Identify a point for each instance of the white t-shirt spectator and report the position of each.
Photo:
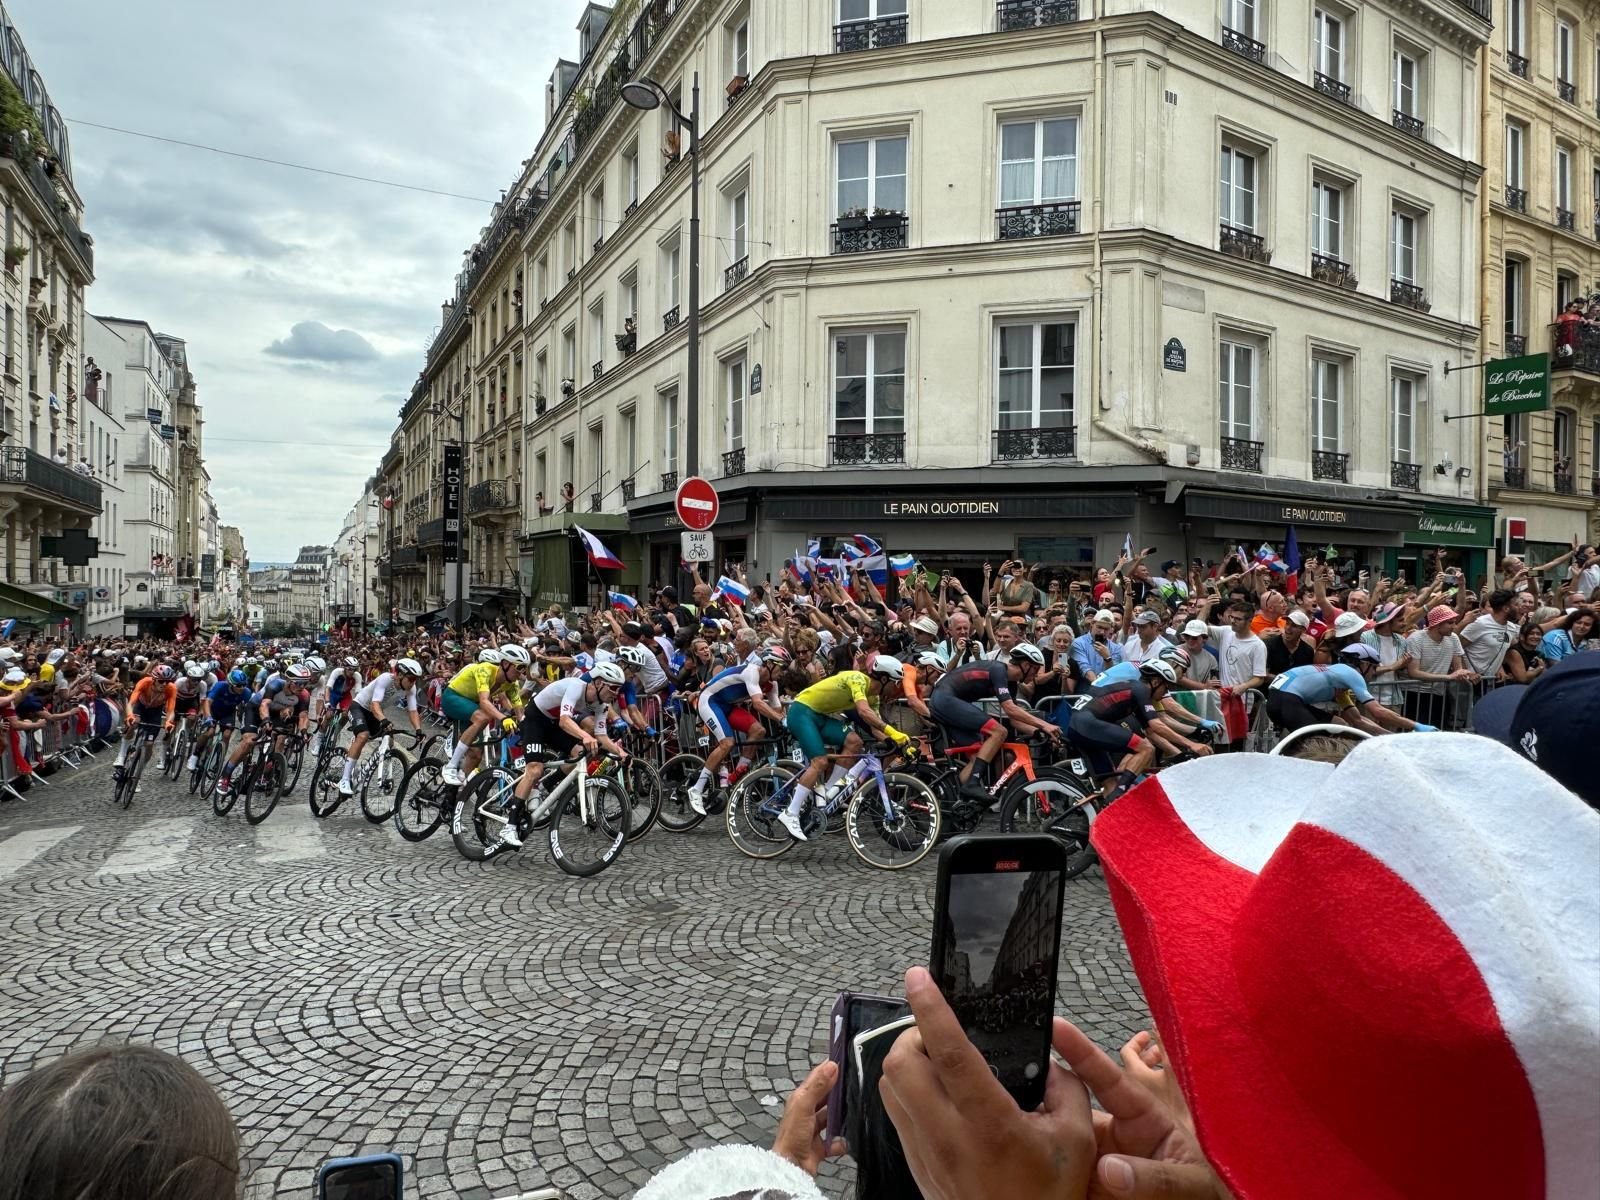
(1433, 658)
(1239, 659)
(1588, 580)
(1136, 652)
(1485, 642)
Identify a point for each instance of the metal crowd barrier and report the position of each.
(66, 737)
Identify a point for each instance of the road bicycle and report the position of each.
(176, 749)
(587, 812)
(376, 779)
(424, 800)
(681, 771)
(892, 817)
(261, 778)
(143, 739)
(209, 758)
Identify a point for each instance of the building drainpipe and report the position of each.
(1481, 459)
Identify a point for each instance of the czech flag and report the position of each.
(599, 556)
(903, 564)
(732, 590)
(623, 601)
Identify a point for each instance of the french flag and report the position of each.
(1475, 1015)
(731, 589)
(623, 601)
(903, 564)
(599, 556)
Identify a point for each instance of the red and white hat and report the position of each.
(1380, 979)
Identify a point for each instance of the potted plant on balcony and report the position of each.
(885, 216)
(568, 389)
(539, 404)
(737, 84)
(853, 218)
(14, 256)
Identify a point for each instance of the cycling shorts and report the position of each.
(459, 708)
(186, 706)
(1091, 733)
(149, 714)
(249, 718)
(960, 716)
(543, 739)
(724, 720)
(224, 716)
(1289, 712)
(816, 733)
(362, 721)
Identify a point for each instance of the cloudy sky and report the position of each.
(306, 301)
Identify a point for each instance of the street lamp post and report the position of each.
(647, 94)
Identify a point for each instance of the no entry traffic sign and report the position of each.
(697, 503)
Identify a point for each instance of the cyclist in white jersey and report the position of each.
(366, 711)
(557, 722)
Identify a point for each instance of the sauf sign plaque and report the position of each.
(452, 504)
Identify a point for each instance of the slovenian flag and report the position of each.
(623, 601)
(903, 564)
(868, 546)
(732, 590)
(599, 556)
(800, 565)
(813, 548)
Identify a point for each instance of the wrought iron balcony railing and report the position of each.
(1517, 198)
(1330, 464)
(669, 319)
(864, 235)
(1241, 454)
(866, 449)
(1325, 268)
(431, 533)
(20, 465)
(1244, 47)
(628, 488)
(1406, 476)
(1059, 218)
(1516, 345)
(1021, 445)
(669, 481)
(1517, 64)
(599, 368)
(492, 495)
(1406, 123)
(736, 274)
(1566, 483)
(1567, 91)
(871, 35)
(733, 462)
(1329, 86)
(1030, 14)
(1515, 477)
(1411, 295)
(1566, 219)
(1243, 243)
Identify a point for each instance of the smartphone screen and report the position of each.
(374, 1177)
(996, 950)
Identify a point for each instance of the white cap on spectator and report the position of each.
(7, 654)
(55, 656)
(1196, 628)
(1349, 623)
(1300, 618)
(1106, 615)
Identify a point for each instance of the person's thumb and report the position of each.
(1119, 1177)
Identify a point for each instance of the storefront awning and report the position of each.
(31, 607)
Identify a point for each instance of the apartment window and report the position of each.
(569, 354)
(629, 295)
(1403, 265)
(1038, 161)
(1407, 83)
(1237, 389)
(597, 333)
(1565, 441)
(597, 214)
(541, 375)
(671, 262)
(541, 477)
(1403, 417)
(541, 275)
(1566, 46)
(1515, 290)
(733, 373)
(1516, 155)
(569, 247)
(669, 430)
(869, 382)
(630, 175)
(1517, 27)
(1241, 17)
(739, 49)
(869, 10)
(1327, 404)
(597, 455)
(1035, 366)
(872, 175)
(1563, 179)
(1566, 289)
(1327, 219)
(630, 444)
(1239, 183)
(568, 461)
(739, 224)
(1328, 43)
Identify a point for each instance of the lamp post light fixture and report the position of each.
(647, 94)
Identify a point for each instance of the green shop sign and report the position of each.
(1442, 527)
(1517, 385)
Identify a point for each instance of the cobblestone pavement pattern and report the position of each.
(502, 1026)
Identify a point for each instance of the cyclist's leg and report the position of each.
(751, 732)
(721, 729)
(968, 721)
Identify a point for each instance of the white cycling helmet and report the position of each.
(889, 668)
(351, 661)
(931, 658)
(298, 671)
(407, 666)
(490, 655)
(1160, 670)
(516, 654)
(608, 673)
(1178, 657)
(1028, 651)
(195, 670)
(316, 665)
(634, 656)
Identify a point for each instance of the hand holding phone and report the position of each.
(370, 1177)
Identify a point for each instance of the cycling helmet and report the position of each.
(931, 659)
(195, 670)
(408, 666)
(632, 656)
(889, 668)
(163, 673)
(1027, 652)
(238, 678)
(1361, 652)
(352, 662)
(775, 656)
(1157, 669)
(512, 653)
(490, 655)
(316, 665)
(139, 660)
(298, 671)
(608, 673)
(1178, 657)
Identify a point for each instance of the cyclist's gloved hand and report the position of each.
(895, 736)
(1211, 726)
(650, 731)
(1421, 728)
(508, 724)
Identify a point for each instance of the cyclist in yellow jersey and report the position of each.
(813, 718)
(469, 700)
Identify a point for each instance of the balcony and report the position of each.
(1239, 454)
(736, 274)
(596, 500)
(1566, 219)
(1405, 476)
(1244, 47)
(1516, 345)
(30, 165)
(492, 495)
(628, 489)
(1515, 478)
(628, 340)
(1331, 465)
(863, 235)
(1030, 14)
(599, 368)
(669, 481)
(1242, 243)
(1057, 219)
(1028, 445)
(866, 449)
(1410, 295)
(871, 35)
(669, 319)
(1566, 483)
(1567, 91)
(416, 506)
(1582, 354)
(1406, 123)
(598, 242)
(405, 558)
(1479, 8)
(1517, 64)
(431, 533)
(1517, 198)
(733, 462)
(49, 481)
(1329, 86)
(1325, 268)
(1594, 486)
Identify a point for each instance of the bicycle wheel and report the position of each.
(265, 789)
(894, 839)
(378, 792)
(753, 809)
(123, 795)
(202, 765)
(642, 783)
(294, 762)
(421, 799)
(1053, 804)
(480, 816)
(677, 777)
(177, 755)
(586, 838)
(222, 803)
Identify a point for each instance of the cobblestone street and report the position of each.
(503, 1027)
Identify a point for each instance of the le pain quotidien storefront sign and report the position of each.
(1276, 513)
(911, 507)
